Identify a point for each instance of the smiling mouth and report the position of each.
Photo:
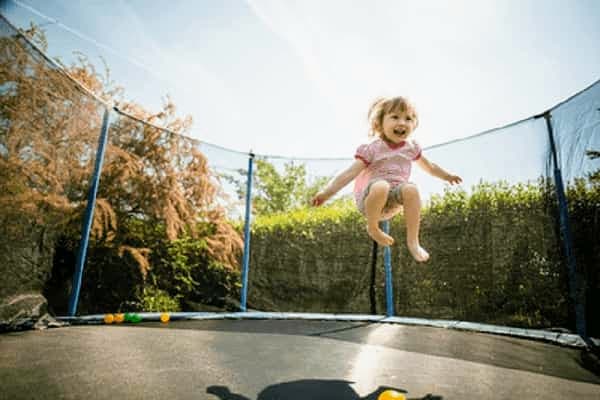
(400, 132)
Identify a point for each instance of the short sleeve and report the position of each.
(416, 151)
(364, 152)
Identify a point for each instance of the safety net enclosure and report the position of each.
(126, 212)
(505, 248)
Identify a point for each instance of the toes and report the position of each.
(380, 237)
(386, 239)
(419, 253)
(383, 241)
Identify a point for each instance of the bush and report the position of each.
(497, 257)
(153, 299)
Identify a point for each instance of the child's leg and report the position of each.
(374, 203)
(412, 215)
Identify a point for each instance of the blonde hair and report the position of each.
(383, 106)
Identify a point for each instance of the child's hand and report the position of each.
(453, 179)
(319, 199)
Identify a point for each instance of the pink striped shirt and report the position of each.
(385, 161)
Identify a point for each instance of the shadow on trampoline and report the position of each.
(314, 389)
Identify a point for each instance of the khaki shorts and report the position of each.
(393, 205)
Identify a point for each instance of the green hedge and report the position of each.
(496, 257)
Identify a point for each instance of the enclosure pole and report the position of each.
(89, 215)
(372, 294)
(575, 288)
(246, 259)
(387, 262)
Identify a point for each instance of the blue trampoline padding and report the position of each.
(565, 339)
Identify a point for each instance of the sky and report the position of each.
(296, 78)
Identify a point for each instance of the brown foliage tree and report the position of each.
(49, 129)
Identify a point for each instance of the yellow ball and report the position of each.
(391, 395)
(119, 318)
(164, 318)
(109, 318)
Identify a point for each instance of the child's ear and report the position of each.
(376, 126)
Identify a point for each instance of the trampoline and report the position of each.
(524, 272)
(216, 356)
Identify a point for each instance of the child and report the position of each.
(382, 168)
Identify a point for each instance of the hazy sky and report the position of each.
(296, 78)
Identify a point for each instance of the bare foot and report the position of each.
(382, 238)
(418, 253)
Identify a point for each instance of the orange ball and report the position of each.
(391, 395)
(164, 318)
(109, 318)
(119, 318)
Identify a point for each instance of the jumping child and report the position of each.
(382, 171)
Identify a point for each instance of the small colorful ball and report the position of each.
(119, 318)
(391, 395)
(164, 318)
(109, 318)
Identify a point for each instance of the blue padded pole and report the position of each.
(246, 259)
(575, 288)
(89, 216)
(387, 262)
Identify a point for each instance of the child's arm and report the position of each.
(338, 182)
(437, 171)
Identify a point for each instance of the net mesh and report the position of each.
(169, 220)
(49, 133)
(493, 241)
(576, 127)
(498, 254)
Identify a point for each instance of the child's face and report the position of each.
(398, 125)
